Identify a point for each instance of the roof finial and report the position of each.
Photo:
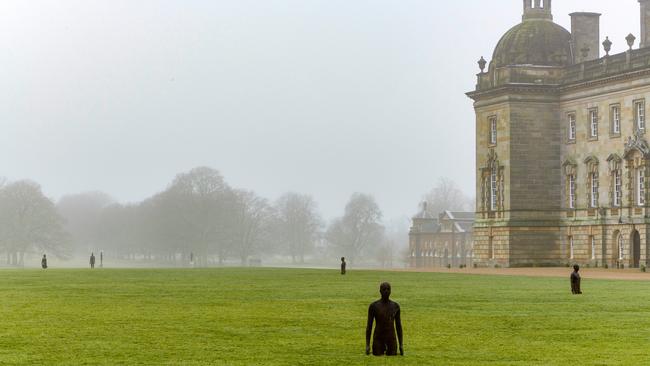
(607, 44)
(630, 40)
(481, 64)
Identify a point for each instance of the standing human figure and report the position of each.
(575, 280)
(44, 262)
(92, 260)
(386, 315)
(343, 264)
(101, 259)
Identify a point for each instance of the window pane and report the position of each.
(593, 116)
(572, 127)
(572, 191)
(617, 188)
(493, 190)
(594, 189)
(616, 120)
(640, 115)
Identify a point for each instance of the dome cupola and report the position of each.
(536, 40)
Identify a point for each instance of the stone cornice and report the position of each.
(508, 89)
(557, 90)
(605, 80)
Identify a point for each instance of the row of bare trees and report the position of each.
(198, 219)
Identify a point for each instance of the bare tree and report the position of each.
(358, 229)
(29, 222)
(200, 200)
(446, 196)
(299, 224)
(251, 217)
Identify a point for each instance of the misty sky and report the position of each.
(324, 97)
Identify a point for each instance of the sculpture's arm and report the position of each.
(371, 318)
(398, 328)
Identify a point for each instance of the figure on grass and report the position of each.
(343, 264)
(575, 280)
(44, 262)
(386, 315)
(92, 260)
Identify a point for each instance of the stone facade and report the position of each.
(445, 241)
(562, 153)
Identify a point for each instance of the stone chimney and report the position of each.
(645, 23)
(585, 36)
(538, 10)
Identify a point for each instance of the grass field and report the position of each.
(314, 317)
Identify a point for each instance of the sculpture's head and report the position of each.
(384, 290)
(576, 267)
(342, 259)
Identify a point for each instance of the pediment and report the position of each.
(636, 143)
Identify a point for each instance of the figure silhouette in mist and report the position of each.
(44, 262)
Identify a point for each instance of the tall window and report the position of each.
(493, 189)
(571, 247)
(618, 188)
(593, 247)
(594, 190)
(620, 246)
(572, 127)
(616, 119)
(572, 191)
(493, 130)
(639, 111)
(593, 121)
(640, 189)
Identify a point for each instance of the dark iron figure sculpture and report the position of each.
(386, 315)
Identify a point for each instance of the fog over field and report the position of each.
(320, 104)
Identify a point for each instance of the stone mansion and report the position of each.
(563, 160)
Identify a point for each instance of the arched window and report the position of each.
(593, 198)
(615, 164)
(570, 172)
(592, 180)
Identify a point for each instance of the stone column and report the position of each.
(645, 23)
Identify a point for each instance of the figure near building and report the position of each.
(386, 316)
(92, 260)
(343, 265)
(44, 262)
(575, 280)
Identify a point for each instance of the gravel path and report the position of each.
(595, 273)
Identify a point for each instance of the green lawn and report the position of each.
(313, 317)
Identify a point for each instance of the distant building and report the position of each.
(562, 148)
(441, 241)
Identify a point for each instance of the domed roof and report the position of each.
(534, 42)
